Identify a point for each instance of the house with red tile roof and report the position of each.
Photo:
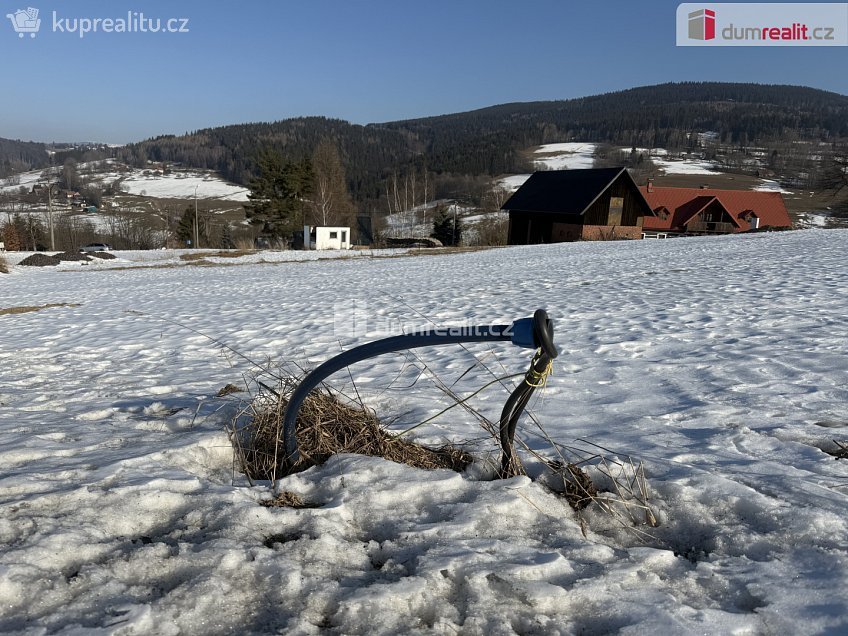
(708, 211)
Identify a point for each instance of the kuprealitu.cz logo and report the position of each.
(762, 24)
(28, 22)
(25, 21)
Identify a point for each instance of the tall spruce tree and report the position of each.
(278, 194)
(184, 231)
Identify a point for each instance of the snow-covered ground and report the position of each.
(187, 257)
(182, 184)
(512, 182)
(718, 362)
(14, 183)
(685, 166)
(770, 185)
(178, 184)
(570, 155)
(418, 221)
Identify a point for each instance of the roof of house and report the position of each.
(684, 203)
(562, 191)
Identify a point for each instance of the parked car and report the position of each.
(96, 247)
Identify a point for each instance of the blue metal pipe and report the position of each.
(531, 333)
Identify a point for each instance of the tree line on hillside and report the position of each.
(490, 141)
(21, 156)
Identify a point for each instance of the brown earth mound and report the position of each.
(40, 260)
(72, 256)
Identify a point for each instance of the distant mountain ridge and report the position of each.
(652, 116)
(490, 141)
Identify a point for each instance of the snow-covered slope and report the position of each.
(183, 185)
(570, 155)
(177, 184)
(719, 362)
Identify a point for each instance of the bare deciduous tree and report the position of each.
(331, 202)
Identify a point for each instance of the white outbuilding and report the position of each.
(330, 238)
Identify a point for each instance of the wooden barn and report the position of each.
(570, 205)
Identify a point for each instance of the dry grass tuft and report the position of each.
(577, 487)
(326, 426)
(30, 308)
(229, 389)
(4, 265)
(287, 499)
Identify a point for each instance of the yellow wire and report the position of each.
(538, 379)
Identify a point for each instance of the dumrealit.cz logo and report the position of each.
(766, 24)
(702, 25)
(27, 21)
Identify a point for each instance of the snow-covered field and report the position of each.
(718, 362)
(26, 180)
(512, 182)
(770, 185)
(569, 155)
(182, 185)
(186, 257)
(685, 166)
(179, 184)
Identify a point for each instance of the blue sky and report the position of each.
(361, 61)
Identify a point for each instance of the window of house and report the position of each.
(616, 207)
(334, 235)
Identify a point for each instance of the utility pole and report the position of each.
(453, 241)
(196, 229)
(50, 216)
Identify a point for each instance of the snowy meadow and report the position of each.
(717, 364)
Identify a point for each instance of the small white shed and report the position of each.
(331, 238)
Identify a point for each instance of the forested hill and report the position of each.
(368, 152)
(489, 141)
(652, 116)
(20, 156)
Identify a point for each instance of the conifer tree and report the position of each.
(278, 194)
(184, 231)
(446, 228)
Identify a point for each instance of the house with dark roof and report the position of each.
(570, 205)
(679, 211)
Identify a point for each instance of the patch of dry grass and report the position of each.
(287, 499)
(30, 308)
(229, 389)
(577, 487)
(4, 265)
(326, 426)
(219, 254)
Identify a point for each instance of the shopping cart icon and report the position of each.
(25, 21)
